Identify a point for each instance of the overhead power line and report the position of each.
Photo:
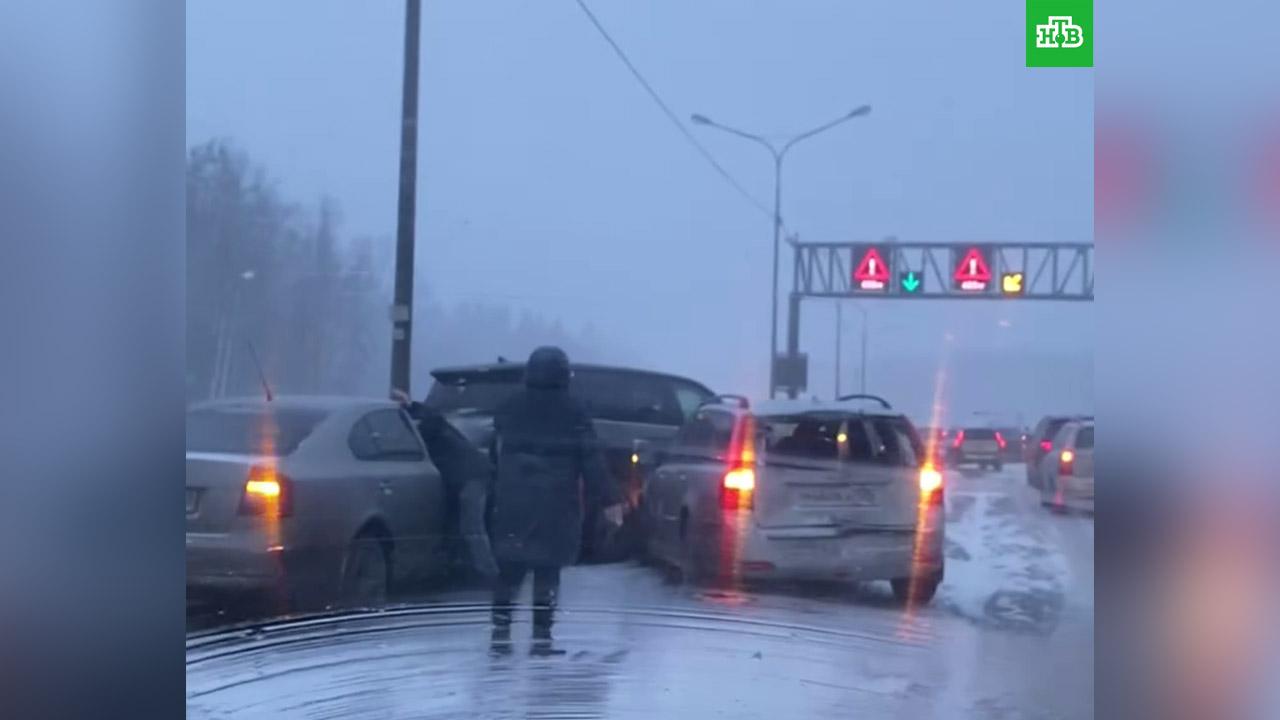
(693, 140)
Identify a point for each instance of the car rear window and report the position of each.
(475, 392)
(882, 441)
(1084, 438)
(1052, 427)
(979, 434)
(250, 431)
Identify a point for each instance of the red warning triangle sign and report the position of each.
(973, 267)
(872, 267)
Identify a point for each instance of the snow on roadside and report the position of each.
(1003, 569)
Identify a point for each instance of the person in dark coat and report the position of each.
(467, 474)
(549, 466)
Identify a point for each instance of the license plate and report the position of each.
(837, 496)
(193, 497)
(804, 550)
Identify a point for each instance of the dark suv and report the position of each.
(631, 409)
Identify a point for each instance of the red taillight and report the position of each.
(1066, 462)
(738, 489)
(1046, 445)
(1000, 440)
(266, 493)
(959, 439)
(931, 485)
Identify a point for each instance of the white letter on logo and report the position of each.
(1072, 35)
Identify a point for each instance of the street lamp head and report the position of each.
(700, 119)
(864, 110)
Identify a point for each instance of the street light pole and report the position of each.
(778, 155)
(402, 308)
(863, 379)
(839, 335)
(862, 366)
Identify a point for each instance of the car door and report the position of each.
(686, 467)
(412, 498)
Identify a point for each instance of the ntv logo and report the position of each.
(1059, 32)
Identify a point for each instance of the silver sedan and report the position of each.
(309, 500)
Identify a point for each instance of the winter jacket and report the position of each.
(549, 466)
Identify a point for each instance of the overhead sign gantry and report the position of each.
(893, 270)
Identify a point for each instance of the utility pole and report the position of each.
(839, 331)
(402, 309)
(863, 381)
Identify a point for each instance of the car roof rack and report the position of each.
(863, 396)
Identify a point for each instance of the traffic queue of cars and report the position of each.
(316, 501)
(1060, 464)
(313, 501)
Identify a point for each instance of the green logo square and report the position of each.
(1059, 33)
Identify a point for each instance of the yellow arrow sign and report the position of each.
(1011, 283)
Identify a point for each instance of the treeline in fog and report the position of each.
(269, 274)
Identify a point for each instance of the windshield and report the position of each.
(780, 272)
(250, 432)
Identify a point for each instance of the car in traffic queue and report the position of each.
(628, 407)
(1012, 449)
(798, 490)
(1068, 470)
(981, 446)
(1039, 445)
(305, 501)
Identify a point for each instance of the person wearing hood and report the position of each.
(549, 467)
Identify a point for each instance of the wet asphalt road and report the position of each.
(1010, 635)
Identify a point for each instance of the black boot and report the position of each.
(542, 645)
(500, 640)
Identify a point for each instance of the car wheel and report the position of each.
(925, 588)
(998, 467)
(366, 570)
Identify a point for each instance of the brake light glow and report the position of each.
(265, 488)
(1046, 445)
(930, 479)
(737, 491)
(740, 479)
(1000, 440)
(266, 493)
(930, 485)
(1066, 462)
(959, 439)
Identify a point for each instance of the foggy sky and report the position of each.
(548, 180)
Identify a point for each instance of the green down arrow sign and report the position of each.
(910, 281)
